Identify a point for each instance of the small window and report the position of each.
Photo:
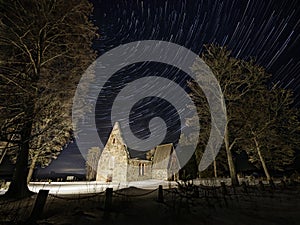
(114, 140)
(142, 167)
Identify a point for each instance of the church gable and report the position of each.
(114, 158)
(115, 137)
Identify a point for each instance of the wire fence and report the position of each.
(77, 197)
(184, 195)
(119, 193)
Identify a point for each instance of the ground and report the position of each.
(185, 204)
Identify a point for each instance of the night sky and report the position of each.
(268, 31)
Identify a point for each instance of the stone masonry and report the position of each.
(116, 165)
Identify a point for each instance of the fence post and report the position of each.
(160, 197)
(108, 198)
(292, 182)
(38, 205)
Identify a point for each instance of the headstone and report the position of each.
(272, 185)
(223, 188)
(244, 185)
(292, 182)
(261, 185)
(283, 184)
(196, 192)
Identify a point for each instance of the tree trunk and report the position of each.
(215, 169)
(31, 168)
(262, 160)
(34, 159)
(233, 176)
(18, 187)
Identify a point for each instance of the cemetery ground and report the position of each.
(157, 202)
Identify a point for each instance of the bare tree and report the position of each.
(237, 79)
(272, 126)
(46, 47)
(92, 163)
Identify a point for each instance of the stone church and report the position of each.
(117, 165)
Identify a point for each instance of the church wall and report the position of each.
(113, 161)
(160, 174)
(139, 170)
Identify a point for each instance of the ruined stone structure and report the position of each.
(116, 165)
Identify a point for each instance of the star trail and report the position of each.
(267, 31)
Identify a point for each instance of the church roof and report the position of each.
(134, 154)
(162, 155)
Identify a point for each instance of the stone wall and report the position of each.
(113, 161)
(139, 170)
(160, 174)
